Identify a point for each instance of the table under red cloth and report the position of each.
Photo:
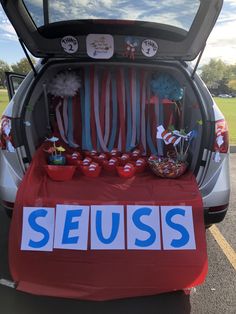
(106, 274)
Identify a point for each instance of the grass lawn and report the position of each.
(226, 105)
(3, 100)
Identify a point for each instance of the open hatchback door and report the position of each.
(178, 28)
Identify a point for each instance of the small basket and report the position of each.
(167, 168)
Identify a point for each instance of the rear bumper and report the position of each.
(216, 192)
(214, 217)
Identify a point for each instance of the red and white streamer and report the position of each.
(167, 136)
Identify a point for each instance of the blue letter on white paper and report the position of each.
(71, 230)
(70, 225)
(37, 229)
(177, 228)
(107, 227)
(143, 227)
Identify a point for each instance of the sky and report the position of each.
(221, 44)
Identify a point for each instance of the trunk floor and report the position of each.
(106, 274)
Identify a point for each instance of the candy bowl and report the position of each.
(115, 153)
(73, 159)
(93, 170)
(140, 165)
(100, 158)
(124, 159)
(60, 173)
(126, 171)
(87, 161)
(110, 165)
(135, 154)
(168, 168)
(90, 153)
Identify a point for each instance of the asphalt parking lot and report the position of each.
(217, 295)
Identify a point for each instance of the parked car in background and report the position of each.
(224, 96)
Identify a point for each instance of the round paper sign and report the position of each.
(69, 44)
(149, 48)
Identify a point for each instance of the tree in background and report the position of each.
(4, 67)
(217, 75)
(232, 81)
(23, 66)
(232, 86)
(214, 74)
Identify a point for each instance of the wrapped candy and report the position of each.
(167, 167)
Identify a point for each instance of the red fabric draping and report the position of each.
(103, 275)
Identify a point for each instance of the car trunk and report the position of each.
(88, 272)
(116, 107)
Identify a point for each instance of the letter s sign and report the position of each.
(38, 229)
(177, 228)
(143, 227)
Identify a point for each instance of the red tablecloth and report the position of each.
(106, 274)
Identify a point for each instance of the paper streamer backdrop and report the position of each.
(114, 108)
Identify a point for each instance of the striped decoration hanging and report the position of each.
(116, 110)
(87, 110)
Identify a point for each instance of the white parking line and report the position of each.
(224, 245)
(7, 283)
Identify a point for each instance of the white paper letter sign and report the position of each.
(177, 228)
(100, 46)
(71, 230)
(37, 229)
(143, 227)
(107, 227)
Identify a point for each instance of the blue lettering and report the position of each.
(177, 243)
(36, 227)
(114, 230)
(69, 225)
(144, 211)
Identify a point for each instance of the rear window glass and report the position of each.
(178, 13)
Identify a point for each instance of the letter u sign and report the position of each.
(107, 227)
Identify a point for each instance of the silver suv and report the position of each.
(134, 41)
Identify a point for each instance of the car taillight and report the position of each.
(218, 208)
(6, 142)
(8, 205)
(221, 143)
